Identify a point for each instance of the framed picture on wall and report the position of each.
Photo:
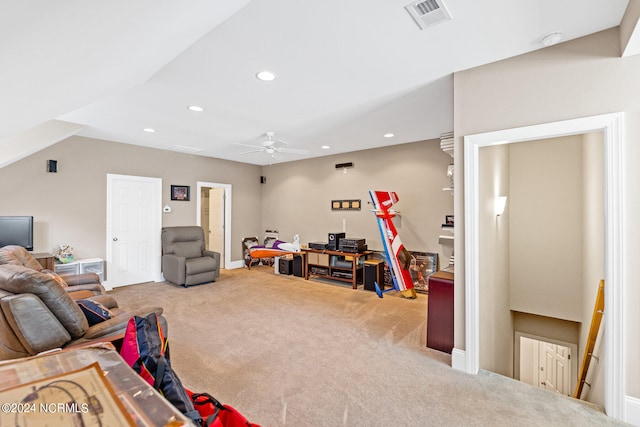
(180, 192)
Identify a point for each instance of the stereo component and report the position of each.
(318, 245)
(352, 245)
(334, 240)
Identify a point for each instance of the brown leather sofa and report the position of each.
(77, 285)
(38, 314)
(185, 261)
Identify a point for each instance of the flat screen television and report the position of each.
(16, 230)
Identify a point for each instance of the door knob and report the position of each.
(115, 239)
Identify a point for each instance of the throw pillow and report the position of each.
(94, 311)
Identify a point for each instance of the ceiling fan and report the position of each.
(271, 146)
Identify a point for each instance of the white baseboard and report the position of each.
(632, 410)
(234, 264)
(459, 360)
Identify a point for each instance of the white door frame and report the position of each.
(155, 220)
(228, 264)
(612, 127)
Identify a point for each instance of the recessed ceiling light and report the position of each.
(266, 76)
(389, 135)
(325, 147)
(149, 130)
(196, 108)
(552, 38)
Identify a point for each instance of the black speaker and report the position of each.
(373, 272)
(263, 180)
(297, 266)
(285, 266)
(52, 166)
(334, 240)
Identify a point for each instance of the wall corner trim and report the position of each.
(459, 360)
(632, 410)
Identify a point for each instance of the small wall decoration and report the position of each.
(180, 192)
(346, 205)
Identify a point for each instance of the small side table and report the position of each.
(440, 312)
(45, 259)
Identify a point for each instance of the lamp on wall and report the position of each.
(500, 203)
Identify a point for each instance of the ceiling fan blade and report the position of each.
(280, 142)
(248, 145)
(253, 151)
(292, 151)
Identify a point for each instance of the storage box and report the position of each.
(69, 268)
(318, 259)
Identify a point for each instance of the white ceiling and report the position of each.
(348, 71)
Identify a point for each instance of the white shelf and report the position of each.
(445, 239)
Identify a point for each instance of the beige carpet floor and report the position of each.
(287, 351)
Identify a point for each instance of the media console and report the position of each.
(336, 265)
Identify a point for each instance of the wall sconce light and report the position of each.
(500, 203)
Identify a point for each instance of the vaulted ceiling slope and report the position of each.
(347, 71)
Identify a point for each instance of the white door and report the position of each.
(216, 221)
(134, 224)
(555, 368)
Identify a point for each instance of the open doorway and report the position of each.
(611, 127)
(212, 219)
(543, 256)
(214, 216)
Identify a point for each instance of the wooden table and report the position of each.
(45, 259)
(334, 263)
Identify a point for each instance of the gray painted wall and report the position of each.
(69, 207)
(297, 196)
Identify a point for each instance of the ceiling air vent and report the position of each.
(185, 149)
(428, 12)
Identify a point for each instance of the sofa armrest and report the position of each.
(174, 268)
(107, 300)
(81, 279)
(32, 322)
(216, 256)
(94, 288)
(212, 254)
(118, 323)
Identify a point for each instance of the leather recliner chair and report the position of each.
(77, 285)
(37, 314)
(185, 261)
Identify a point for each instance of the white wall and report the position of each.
(545, 221)
(496, 336)
(592, 253)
